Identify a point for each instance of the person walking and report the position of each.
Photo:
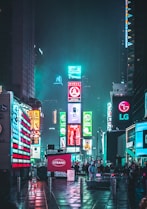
(92, 171)
(143, 203)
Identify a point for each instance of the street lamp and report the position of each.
(74, 138)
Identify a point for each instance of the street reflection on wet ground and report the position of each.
(59, 193)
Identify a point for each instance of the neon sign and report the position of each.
(124, 107)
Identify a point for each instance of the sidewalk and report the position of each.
(58, 193)
(33, 195)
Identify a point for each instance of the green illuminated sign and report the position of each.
(62, 122)
(87, 123)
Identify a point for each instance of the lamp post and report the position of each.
(99, 143)
(97, 147)
(74, 138)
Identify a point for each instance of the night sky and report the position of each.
(80, 32)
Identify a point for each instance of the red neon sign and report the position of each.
(124, 106)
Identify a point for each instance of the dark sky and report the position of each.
(80, 32)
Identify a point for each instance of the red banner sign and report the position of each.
(74, 91)
(59, 162)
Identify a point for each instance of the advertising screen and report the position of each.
(87, 146)
(121, 112)
(74, 72)
(74, 91)
(74, 113)
(62, 122)
(109, 116)
(63, 142)
(74, 135)
(87, 123)
(59, 162)
(20, 138)
(141, 135)
(34, 116)
(35, 152)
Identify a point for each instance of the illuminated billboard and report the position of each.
(121, 112)
(34, 116)
(62, 122)
(87, 146)
(74, 91)
(74, 113)
(20, 146)
(74, 72)
(74, 135)
(63, 142)
(109, 116)
(87, 123)
(35, 152)
(141, 135)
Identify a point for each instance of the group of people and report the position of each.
(135, 174)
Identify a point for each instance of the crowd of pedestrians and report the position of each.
(135, 174)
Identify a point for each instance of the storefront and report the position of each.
(136, 143)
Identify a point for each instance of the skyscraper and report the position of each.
(136, 44)
(17, 47)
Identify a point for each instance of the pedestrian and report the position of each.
(76, 167)
(143, 203)
(92, 171)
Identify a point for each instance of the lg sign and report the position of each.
(124, 107)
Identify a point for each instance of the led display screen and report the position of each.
(109, 116)
(35, 152)
(87, 123)
(74, 72)
(74, 113)
(141, 135)
(20, 146)
(63, 142)
(62, 122)
(87, 146)
(74, 91)
(74, 135)
(34, 116)
(121, 112)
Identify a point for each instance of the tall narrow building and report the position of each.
(136, 44)
(17, 47)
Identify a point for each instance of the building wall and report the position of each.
(17, 47)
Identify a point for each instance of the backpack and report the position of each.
(92, 169)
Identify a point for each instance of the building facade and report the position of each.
(17, 44)
(136, 44)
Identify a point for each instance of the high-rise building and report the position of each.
(136, 45)
(17, 47)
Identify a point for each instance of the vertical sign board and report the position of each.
(62, 123)
(87, 123)
(20, 145)
(74, 107)
(87, 146)
(34, 116)
(121, 112)
(62, 129)
(109, 116)
(74, 91)
(74, 135)
(74, 113)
